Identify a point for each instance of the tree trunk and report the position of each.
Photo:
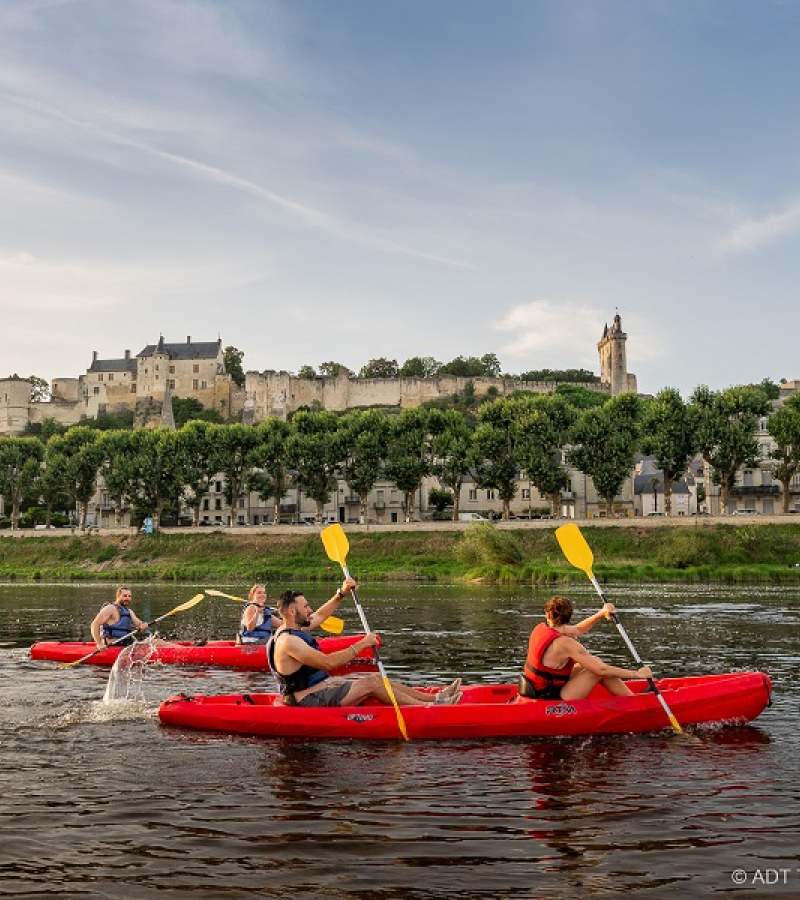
(84, 513)
(15, 511)
(785, 498)
(667, 497)
(456, 499)
(555, 504)
(276, 510)
(320, 508)
(196, 515)
(362, 509)
(48, 514)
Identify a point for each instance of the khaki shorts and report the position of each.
(327, 696)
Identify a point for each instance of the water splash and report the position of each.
(126, 681)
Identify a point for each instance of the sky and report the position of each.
(344, 180)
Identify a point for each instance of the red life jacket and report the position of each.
(540, 675)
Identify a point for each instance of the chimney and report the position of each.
(127, 354)
(188, 339)
(94, 356)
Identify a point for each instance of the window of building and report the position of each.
(473, 494)
(195, 384)
(203, 385)
(172, 370)
(526, 493)
(218, 487)
(195, 368)
(490, 494)
(171, 383)
(100, 376)
(110, 376)
(133, 388)
(96, 390)
(218, 503)
(241, 502)
(205, 503)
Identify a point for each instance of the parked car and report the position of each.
(745, 512)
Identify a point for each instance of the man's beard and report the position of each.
(302, 621)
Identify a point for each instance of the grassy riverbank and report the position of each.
(719, 552)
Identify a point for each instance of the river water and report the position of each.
(98, 800)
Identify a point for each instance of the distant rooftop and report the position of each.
(187, 350)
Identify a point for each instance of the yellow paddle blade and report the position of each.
(188, 605)
(336, 544)
(213, 593)
(333, 624)
(574, 547)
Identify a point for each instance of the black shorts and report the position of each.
(526, 689)
(327, 696)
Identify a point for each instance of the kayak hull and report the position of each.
(486, 711)
(225, 654)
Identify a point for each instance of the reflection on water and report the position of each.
(100, 801)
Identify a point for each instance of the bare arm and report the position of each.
(594, 664)
(299, 651)
(97, 625)
(585, 626)
(329, 608)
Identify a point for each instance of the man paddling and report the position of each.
(302, 668)
(558, 665)
(116, 620)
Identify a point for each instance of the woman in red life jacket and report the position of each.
(557, 665)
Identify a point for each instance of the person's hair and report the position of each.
(253, 590)
(558, 610)
(286, 599)
(120, 589)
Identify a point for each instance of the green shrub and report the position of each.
(484, 544)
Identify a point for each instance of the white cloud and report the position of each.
(755, 233)
(553, 331)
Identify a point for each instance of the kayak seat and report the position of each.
(201, 643)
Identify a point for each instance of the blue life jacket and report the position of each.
(305, 676)
(263, 630)
(121, 628)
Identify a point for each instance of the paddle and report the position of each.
(333, 624)
(579, 554)
(187, 605)
(336, 546)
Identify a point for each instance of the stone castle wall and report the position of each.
(280, 394)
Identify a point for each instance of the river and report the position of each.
(100, 801)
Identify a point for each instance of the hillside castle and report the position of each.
(147, 382)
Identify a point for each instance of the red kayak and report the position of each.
(226, 654)
(486, 711)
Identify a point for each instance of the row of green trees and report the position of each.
(486, 366)
(540, 434)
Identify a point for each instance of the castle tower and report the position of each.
(613, 359)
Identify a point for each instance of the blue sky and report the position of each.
(316, 180)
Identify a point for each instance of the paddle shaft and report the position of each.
(672, 720)
(379, 662)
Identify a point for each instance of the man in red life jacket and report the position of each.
(557, 665)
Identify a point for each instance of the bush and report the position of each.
(483, 544)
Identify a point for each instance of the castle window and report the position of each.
(110, 376)
(100, 377)
(195, 368)
(171, 383)
(96, 391)
(203, 385)
(172, 370)
(133, 388)
(195, 384)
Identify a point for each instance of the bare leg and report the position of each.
(372, 687)
(582, 683)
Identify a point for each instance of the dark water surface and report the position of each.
(98, 800)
